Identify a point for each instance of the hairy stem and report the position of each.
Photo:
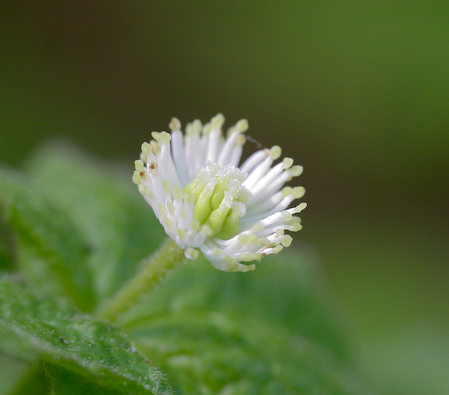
(154, 269)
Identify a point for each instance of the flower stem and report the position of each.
(154, 269)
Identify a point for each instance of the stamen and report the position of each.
(175, 124)
(162, 137)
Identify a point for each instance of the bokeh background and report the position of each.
(355, 91)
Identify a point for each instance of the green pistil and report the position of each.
(230, 225)
(210, 208)
(218, 195)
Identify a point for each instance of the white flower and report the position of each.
(206, 201)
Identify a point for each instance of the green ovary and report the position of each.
(216, 206)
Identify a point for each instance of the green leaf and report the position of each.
(32, 325)
(66, 382)
(34, 381)
(104, 204)
(6, 248)
(214, 352)
(265, 332)
(12, 371)
(5, 257)
(51, 252)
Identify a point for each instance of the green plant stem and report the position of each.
(154, 270)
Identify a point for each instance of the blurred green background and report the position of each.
(355, 91)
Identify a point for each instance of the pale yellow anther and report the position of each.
(181, 233)
(162, 137)
(286, 215)
(242, 125)
(206, 129)
(296, 171)
(279, 233)
(278, 249)
(191, 253)
(298, 192)
(233, 266)
(196, 126)
(232, 262)
(275, 152)
(175, 124)
(287, 163)
(147, 149)
(217, 121)
(136, 178)
(139, 165)
(297, 227)
(286, 240)
(300, 207)
(296, 224)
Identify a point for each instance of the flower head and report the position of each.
(205, 200)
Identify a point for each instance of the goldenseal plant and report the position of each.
(207, 201)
